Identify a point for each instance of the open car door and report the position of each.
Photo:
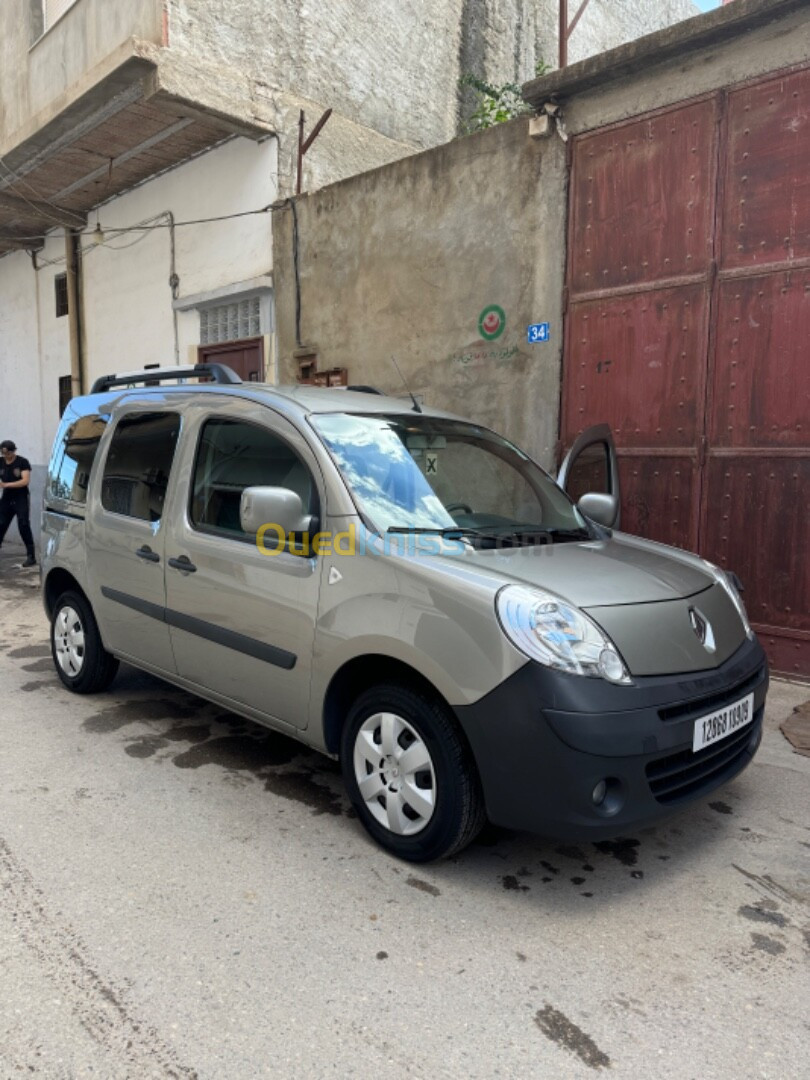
(590, 476)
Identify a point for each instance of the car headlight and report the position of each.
(728, 581)
(553, 632)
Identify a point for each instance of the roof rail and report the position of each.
(218, 373)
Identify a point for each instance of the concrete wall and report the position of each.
(404, 260)
(394, 65)
(40, 71)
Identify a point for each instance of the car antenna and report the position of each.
(416, 406)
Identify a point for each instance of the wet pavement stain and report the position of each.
(422, 886)
(759, 914)
(623, 849)
(547, 866)
(193, 733)
(511, 883)
(240, 752)
(721, 807)
(27, 652)
(577, 880)
(767, 944)
(40, 665)
(29, 686)
(145, 746)
(117, 716)
(301, 787)
(382, 955)
(557, 1027)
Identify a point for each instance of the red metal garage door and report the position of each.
(688, 329)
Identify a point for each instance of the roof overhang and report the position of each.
(120, 126)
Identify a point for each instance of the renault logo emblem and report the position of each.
(703, 629)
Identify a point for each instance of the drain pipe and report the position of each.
(73, 261)
(174, 282)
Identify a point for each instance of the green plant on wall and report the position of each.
(495, 104)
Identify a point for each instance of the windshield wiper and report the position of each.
(431, 530)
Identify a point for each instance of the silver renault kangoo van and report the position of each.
(404, 590)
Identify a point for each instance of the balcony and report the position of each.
(94, 102)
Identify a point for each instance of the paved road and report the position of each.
(185, 895)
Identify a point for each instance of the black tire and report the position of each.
(91, 668)
(452, 781)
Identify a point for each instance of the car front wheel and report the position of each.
(410, 775)
(81, 661)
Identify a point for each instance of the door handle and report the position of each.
(146, 552)
(183, 563)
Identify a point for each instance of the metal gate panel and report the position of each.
(658, 497)
(755, 521)
(761, 384)
(642, 199)
(713, 446)
(631, 364)
(767, 173)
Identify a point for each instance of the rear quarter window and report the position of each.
(73, 456)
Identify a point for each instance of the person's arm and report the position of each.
(23, 482)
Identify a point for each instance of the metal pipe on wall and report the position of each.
(73, 264)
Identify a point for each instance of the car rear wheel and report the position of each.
(81, 661)
(410, 775)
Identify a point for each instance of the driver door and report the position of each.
(591, 466)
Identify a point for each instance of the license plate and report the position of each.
(719, 725)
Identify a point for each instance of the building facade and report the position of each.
(143, 141)
(651, 272)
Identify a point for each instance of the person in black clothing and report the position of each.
(15, 476)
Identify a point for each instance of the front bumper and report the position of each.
(543, 740)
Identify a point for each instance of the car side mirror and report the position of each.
(601, 508)
(275, 506)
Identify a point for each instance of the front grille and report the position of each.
(701, 706)
(685, 774)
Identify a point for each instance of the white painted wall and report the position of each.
(128, 300)
(20, 401)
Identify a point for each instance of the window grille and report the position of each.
(61, 294)
(230, 322)
(55, 9)
(65, 392)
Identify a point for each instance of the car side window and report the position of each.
(69, 473)
(139, 461)
(233, 455)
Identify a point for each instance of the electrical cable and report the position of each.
(144, 228)
(16, 179)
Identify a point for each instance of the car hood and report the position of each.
(599, 573)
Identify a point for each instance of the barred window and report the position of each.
(230, 322)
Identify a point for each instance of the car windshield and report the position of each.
(427, 474)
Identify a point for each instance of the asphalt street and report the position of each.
(184, 894)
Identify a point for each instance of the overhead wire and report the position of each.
(121, 230)
(15, 178)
